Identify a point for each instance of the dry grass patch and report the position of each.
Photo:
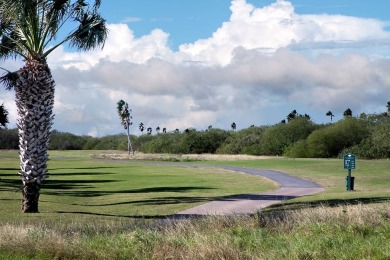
(115, 155)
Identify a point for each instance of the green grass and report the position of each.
(81, 186)
(372, 178)
(115, 210)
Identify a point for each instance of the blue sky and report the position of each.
(214, 62)
(199, 19)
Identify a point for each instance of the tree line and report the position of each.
(367, 136)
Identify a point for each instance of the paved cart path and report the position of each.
(290, 187)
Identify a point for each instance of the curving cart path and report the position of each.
(290, 187)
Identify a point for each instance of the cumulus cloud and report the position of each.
(257, 67)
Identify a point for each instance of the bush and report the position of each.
(331, 140)
(66, 141)
(9, 139)
(246, 141)
(297, 150)
(277, 138)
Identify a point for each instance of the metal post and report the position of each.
(349, 182)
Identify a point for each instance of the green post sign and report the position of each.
(349, 163)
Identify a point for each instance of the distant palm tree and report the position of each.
(3, 116)
(329, 113)
(158, 129)
(347, 112)
(177, 130)
(141, 127)
(164, 130)
(233, 126)
(149, 130)
(293, 114)
(388, 108)
(210, 127)
(28, 30)
(125, 116)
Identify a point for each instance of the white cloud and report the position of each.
(254, 69)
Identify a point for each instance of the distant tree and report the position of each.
(164, 130)
(125, 116)
(293, 114)
(388, 108)
(158, 129)
(283, 121)
(177, 130)
(3, 116)
(141, 127)
(329, 113)
(233, 126)
(347, 113)
(210, 127)
(149, 130)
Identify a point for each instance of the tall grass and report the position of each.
(344, 232)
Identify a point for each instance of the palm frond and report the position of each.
(91, 32)
(8, 80)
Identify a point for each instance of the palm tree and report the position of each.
(388, 108)
(141, 127)
(293, 114)
(28, 30)
(3, 116)
(149, 130)
(158, 129)
(125, 116)
(329, 113)
(164, 130)
(233, 125)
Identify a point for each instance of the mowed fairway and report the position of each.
(80, 187)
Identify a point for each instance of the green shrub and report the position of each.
(277, 138)
(245, 141)
(329, 141)
(9, 139)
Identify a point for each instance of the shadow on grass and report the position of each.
(84, 168)
(117, 216)
(156, 201)
(80, 173)
(97, 193)
(258, 197)
(328, 203)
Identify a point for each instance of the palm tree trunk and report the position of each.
(34, 100)
(129, 147)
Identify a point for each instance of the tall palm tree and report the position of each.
(125, 116)
(329, 113)
(3, 116)
(28, 29)
(158, 129)
(164, 130)
(149, 130)
(141, 127)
